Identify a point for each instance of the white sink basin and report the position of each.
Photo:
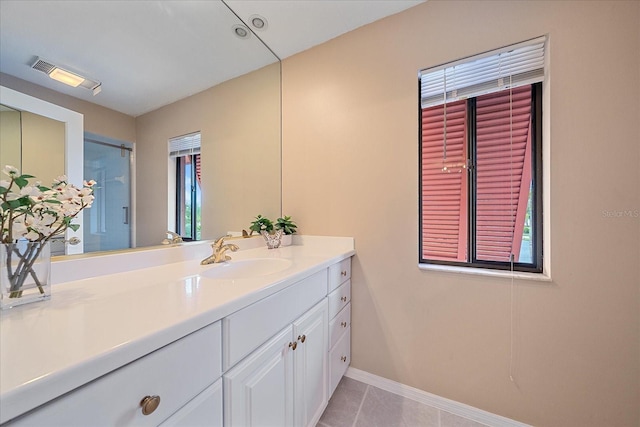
(247, 268)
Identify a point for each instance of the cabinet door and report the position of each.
(310, 365)
(259, 390)
(204, 410)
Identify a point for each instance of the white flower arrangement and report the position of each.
(37, 213)
(30, 215)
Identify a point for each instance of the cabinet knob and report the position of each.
(344, 324)
(343, 273)
(343, 358)
(149, 404)
(293, 345)
(344, 298)
(302, 338)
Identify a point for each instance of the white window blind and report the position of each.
(511, 66)
(184, 145)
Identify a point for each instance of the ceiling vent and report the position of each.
(65, 76)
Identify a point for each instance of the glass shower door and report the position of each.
(107, 225)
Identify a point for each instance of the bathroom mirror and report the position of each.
(10, 136)
(238, 116)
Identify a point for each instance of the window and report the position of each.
(481, 160)
(185, 151)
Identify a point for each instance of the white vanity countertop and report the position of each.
(95, 325)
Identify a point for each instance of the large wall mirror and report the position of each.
(235, 110)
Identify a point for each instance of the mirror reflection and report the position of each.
(144, 189)
(10, 136)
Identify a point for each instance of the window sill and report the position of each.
(536, 277)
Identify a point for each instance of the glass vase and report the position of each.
(25, 273)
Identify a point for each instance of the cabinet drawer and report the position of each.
(246, 329)
(339, 360)
(338, 273)
(204, 410)
(339, 325)
(176, 373)
(339, 298)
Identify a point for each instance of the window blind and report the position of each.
(512, 66)
(503, 168)
(184, 145)
(444, 206)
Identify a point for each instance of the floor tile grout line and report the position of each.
(366, 391)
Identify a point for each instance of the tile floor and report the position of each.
(356, 404)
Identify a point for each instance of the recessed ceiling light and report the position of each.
(241, 31)
(66, 77)
(258, 22)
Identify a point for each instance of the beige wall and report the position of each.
(43, 141)
(350, 144)
(239, 121)
(10, 138)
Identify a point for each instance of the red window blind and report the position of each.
(198, 169)
(503, 167)
(444, 193)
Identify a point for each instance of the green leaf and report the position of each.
(14, 204)
(74, 227)
(21, 182)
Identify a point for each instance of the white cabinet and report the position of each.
(168, 378)
(275, 362)
(259, 390)
(203, 410)
(310, 366)
(339, 359)
(339, 322)
(284, 382)
(247, 329)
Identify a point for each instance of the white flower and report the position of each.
(19, 228)
(32, 235)
(62, 179)
(13, 196)
(68, 194)
(46, 214)
(30, 191)
(10, 171)
(47, 219)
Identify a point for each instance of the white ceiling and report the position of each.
(148, 54)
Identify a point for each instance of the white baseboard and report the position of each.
(451, 406)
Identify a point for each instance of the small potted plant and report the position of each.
(288, 228)
(260, 224)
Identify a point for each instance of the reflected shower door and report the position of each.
(107, 224)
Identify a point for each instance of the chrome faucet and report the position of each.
(174, 238)
(219, 249)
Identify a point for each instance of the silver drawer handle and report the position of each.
(343, 273)
(344, 299)
(344, 324)
(344, 358)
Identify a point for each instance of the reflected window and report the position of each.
(185, 152)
